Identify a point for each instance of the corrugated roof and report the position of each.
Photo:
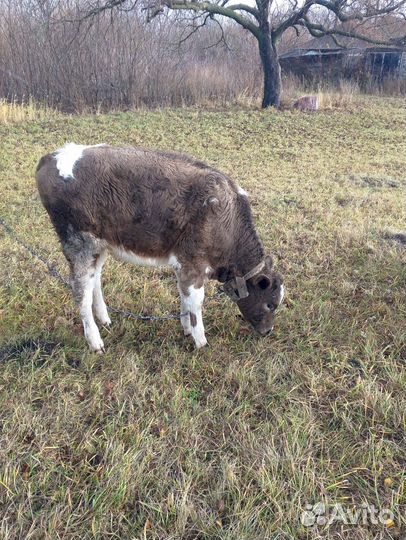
(319, 51)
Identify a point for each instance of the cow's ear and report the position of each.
(262, 281)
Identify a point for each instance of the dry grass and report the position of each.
(12, 112)
(157, 441)
(340, 95)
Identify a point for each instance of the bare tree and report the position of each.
(268, 20)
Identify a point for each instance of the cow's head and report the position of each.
(265, 294)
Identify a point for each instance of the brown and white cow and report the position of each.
(156, 208)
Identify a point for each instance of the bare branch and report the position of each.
(337, 7)
(203, 7)
(249, 9)
(338, 43)
(292, 20)
(109, 5)
(319, 30)
(222, 38)
(195, 28)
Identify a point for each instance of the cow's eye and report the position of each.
(271, 307)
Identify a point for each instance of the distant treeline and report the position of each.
(52, 54)
(48, 53)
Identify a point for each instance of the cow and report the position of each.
(156, 208)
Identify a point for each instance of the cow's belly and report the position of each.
(129, 256)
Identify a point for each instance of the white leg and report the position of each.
(193, 303)
(99, 304)
(84, 288)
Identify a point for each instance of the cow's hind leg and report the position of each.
(83, 251)
(99, 304)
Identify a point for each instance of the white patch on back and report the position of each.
(67, 156)
(242, 191)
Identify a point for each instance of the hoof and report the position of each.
(200, 343)
(97, 347)
(105, 320)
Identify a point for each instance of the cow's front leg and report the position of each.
(184, 312)
(193, 300)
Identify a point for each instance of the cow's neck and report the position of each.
(248, 253)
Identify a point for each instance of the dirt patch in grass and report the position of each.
(398, 237)
(28, 348)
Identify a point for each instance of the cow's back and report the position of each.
(140, 199)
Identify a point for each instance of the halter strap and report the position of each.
(236, 288)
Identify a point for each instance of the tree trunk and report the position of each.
(271, 69)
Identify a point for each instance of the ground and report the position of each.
(155, 440)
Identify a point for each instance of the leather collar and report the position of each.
(236, 288)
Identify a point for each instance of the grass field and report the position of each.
(154, 440)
